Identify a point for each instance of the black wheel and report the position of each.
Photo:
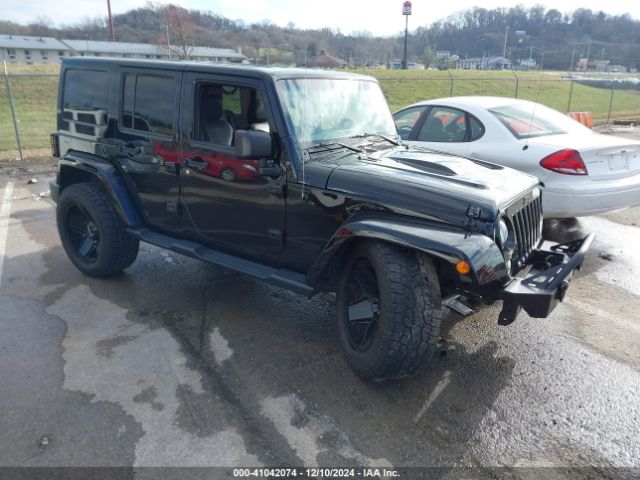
(92, 233)
(228, 175)
(389, 310)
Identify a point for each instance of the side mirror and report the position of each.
(253, 144)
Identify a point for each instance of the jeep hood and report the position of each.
(429, 183)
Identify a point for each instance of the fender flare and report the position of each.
(108, 176)
(451, 245)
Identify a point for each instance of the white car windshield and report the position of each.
(526, 120)
(330, 109)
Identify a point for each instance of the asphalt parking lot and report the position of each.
(178, 363)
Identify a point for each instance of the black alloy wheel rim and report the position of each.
(362, 313)
(83, 232)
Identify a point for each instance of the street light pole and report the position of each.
(406, 35)
(406, 11)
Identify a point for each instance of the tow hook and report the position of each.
(508, 313)
(562, 290)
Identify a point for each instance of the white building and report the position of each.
(31, 50)
(397, 65)
(38, 50)
(484, 63)
(93, 48)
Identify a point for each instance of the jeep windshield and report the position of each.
(328, 109)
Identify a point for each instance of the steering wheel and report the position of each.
(404, 131)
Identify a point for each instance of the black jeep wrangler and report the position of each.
(297, 177)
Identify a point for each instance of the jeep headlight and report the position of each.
(508, 242)
(503, 232)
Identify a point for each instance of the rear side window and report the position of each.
(85, 100)
(148, 103)
(86, 90)
(476, 128)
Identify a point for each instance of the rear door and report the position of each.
(146, 141)
(230, 204)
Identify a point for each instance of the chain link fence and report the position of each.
(608, 97)
(27, 115)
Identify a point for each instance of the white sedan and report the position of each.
(582, 172)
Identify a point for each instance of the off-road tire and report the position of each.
(410, 312)
(115, 250)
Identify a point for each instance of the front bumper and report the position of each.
(547, 282)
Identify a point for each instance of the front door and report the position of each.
(230, 204)
(446, 129)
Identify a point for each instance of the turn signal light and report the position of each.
(567, 162)
(463, 267)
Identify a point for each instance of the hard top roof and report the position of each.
(243, 70)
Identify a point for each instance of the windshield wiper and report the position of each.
(384, 137)
(331, 143)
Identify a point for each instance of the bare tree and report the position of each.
(181, 27)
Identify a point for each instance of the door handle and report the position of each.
(196, 163)
(130, 149)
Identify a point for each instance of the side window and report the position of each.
(222, 109)
(406, 120)
(148, 103)
(476, 128)
(85, 99)
(444, 124)
(85, 89)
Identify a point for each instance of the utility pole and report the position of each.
(506, 37)
(112, 32)
(406, 11)
(168, 43)
(572, 65)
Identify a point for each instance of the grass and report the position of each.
(404, 88)
(34, 89)
(35, 109)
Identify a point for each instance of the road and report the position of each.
(178, 363)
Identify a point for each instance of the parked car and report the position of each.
(581, 172)
(337, 205)
(216, 164)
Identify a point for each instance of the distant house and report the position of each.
(324, 60)
(585, 65)
(484, 63)
(528, 63)
(31, 50)
(92, 48)
(397, 65)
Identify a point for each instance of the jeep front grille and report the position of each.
(527, 225)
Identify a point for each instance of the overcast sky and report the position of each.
(380, 17)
